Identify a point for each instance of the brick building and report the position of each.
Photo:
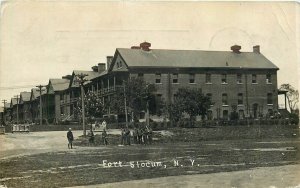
(244, 81)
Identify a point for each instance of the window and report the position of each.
(175, 78)
(209, 95)
(61, 111)
(225, 114)
(224, 99)
(175, 96)
(140, 75)
(239, 78)
(192, 78)
(254, 81)
(119, 64)
(240, 98)
(224, 78)
(241, 114)
(158, 97)
(208, 78)
(61, 97)
(209, 115)
(269, 98)
(268, 79)
(157, 78)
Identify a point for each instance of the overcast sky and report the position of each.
(42, 40)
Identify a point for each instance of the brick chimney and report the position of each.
(95, 68)
(68, 77)
(256, 49)
(236, 49)
(101, 67)
(145, 46)
(109, 60)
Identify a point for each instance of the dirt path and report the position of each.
(266, 177)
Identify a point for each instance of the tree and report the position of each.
(137, 93)
(292, 96)
(93, 105)
(191, 102)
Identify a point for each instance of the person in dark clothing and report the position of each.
(123, 136)
(135, 136)
(150, 134)
(145, 135)
(92, 137)
(140, 135)
(127, 133)
(104, 137)
(70, 138)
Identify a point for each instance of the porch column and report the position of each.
(285, 100)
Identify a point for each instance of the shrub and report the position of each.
(294, 118)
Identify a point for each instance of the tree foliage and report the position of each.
(137, 93)
(94, 106)
(292, 96)
(191, 102)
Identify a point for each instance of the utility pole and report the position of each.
(81, 81)
(17, 96)
(41, 108)
(125, 104)
(4, 103)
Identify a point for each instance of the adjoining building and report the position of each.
(55, 89)
(25, 107)
(70, 96)
(14, 105)
(245, 82)
(35, 104)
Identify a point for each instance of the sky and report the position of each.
(48, 39)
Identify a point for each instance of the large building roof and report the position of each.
(35, 93)
(59, 84)
(194, 59)
(25, 96)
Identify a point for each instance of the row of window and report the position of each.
(208, 79)
(240, 98)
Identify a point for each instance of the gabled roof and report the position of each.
(59, 84)
(96, 76)
(25, 96)
(35, 93)
(194, 59)
(90, 75)
(14, 101)
(7, 105)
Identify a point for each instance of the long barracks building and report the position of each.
(246, 80)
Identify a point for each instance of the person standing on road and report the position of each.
(70, 138)
(104, 137)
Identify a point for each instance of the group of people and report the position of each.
(141, 135)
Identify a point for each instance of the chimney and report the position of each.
(135, 47)
(95, 68)
(145, 46)
(109, 60)
(236, 49)
(68, 77)
(101, 67)
(256, 49)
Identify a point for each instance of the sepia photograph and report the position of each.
(134, 94)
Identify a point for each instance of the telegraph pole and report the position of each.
(4, 102)
(41, 109)
(17, 96)
(81, 82)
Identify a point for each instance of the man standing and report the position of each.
(70, 138)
